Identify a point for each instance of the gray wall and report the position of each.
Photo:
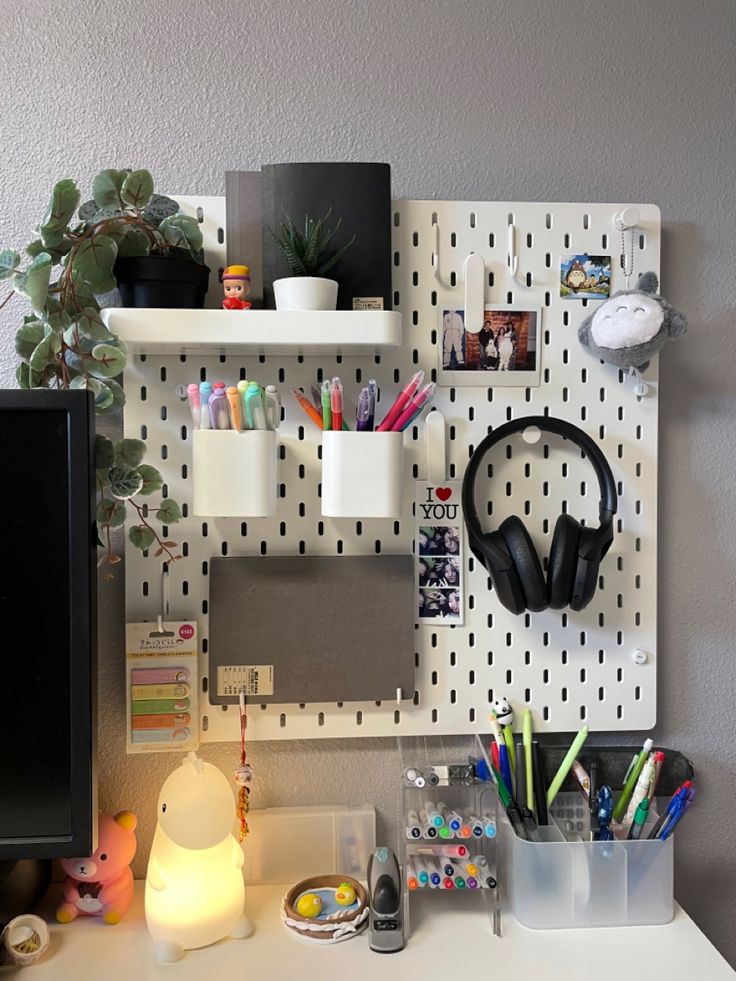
(478, 100)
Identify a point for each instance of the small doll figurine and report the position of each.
(236, 284)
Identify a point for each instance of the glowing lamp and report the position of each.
(194, 884)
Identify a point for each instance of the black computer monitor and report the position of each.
(48, 586)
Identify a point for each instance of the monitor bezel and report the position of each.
(79, 409)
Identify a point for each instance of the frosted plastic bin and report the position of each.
(287, 844)
(362, 474)
(560, 883)
(234, 473)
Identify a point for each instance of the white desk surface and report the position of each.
(451, 934)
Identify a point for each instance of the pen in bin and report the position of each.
(363, 412)
(233, 401)
(336, 403)
(219, 414)
(273, 407)
(373, 392)
(407, 417)
(308, 407)
(402, 401)
(254, 411)
(194, 407)
(205, 390)
(326, 403)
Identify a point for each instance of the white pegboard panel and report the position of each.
(570, 668)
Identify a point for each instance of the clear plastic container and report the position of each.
(565, 880)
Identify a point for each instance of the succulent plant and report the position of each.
(64, 344)
(307, 252)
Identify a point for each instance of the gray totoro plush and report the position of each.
(632, 325)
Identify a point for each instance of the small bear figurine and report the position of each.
(102, 884)
(632, 326)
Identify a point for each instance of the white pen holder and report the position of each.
(362, 474)
(234, 473)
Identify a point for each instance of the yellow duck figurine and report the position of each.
(345, 894)
(310, 905)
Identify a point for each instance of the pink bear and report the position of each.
(102, 884)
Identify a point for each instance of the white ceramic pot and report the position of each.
(305, 293)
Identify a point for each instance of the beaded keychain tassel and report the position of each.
(243, 774)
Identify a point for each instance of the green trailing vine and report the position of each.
(64, 343)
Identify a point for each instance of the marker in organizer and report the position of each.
(234, 403)
(459, 881)
(481, 861)
(422, 874)
(448, 883)
(641, 789)
(476, 826)
(205, 390)
(413, 827)
(443, 851)
(433, 814)
(471, 882)
(448, 867)
(411, 876)
(194, 404)
(414, 408)
(489, 827)
(432, 866)
(402, 401)
(470, 868)
(454, 821)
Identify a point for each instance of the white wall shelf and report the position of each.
(220, 332)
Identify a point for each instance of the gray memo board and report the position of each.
(334, 628)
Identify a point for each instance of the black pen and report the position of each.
(540, 790)
(530, 825)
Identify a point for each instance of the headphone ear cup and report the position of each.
(563, 561)
(586, 574)
(526, 562)
(503, 577)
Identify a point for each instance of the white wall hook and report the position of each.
(164, 598)
(436, 249)
(513, 259)
(474, 270)
(627, 218)
(435, 436)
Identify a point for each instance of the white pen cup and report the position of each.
(234, 473)
(362, 474)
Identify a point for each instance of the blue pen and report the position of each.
(680, 808)
(679, 795)
(503, 758)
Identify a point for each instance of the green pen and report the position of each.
(326, 406)
(527, 744)
(640, 819)
(623, 802)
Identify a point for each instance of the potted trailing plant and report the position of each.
(309, 258)
(125, 236)
(64, 344)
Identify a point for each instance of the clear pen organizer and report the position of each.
(567, 881)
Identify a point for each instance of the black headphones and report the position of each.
(509, 555)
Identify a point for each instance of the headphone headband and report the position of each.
(549, 424)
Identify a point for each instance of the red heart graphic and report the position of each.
(443, 493)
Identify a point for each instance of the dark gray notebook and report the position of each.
(243, 224)
(311, 628)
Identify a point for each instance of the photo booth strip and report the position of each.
(439, 554)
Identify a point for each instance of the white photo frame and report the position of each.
(511, 357)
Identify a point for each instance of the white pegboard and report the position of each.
(570, 668)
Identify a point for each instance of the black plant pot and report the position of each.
(162, 281)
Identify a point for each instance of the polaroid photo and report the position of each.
(585, 277)
(505, 352)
